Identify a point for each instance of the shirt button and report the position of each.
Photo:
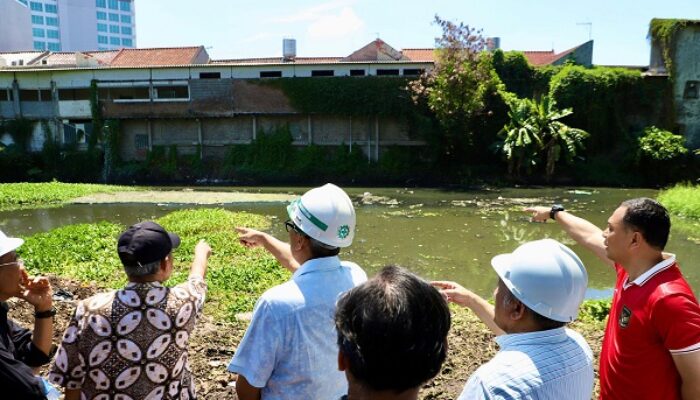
(114, 338)
(143, 306)
(144, 361)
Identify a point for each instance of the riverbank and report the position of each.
(18, 196)
(683, 202)
(214, 341)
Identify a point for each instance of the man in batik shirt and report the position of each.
(131, 344)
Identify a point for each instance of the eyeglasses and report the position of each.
(290, 226)
(19, 262)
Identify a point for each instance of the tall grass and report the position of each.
(682, 200)
(14, 196)
(236, 277)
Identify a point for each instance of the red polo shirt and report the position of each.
(651, 318)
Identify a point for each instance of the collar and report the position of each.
(644, 278)
(549, 336)
(317, 265)
(133, 285)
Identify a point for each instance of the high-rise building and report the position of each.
(67, 25)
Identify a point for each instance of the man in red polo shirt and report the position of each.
(651, 348)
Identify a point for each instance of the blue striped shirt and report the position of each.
(554, 364)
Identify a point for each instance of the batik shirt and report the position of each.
(131, 344)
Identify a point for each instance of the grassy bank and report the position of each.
(683, 202)
(236, 277)
(16, 196)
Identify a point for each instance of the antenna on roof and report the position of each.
(590, 28)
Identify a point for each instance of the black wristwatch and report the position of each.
(555, 209)
(45, 314)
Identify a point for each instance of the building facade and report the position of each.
(68, 25)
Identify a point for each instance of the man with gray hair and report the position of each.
(132, 343)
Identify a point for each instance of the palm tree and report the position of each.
(535, 133)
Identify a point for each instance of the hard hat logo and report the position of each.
(343, 231)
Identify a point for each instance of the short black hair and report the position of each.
(319, 249)
(650, 218)
(393, 330)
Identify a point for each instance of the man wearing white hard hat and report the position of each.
(21, 350)
(540, 287)
(290, 349)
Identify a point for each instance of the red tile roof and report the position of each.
(160, 56)
(419, 54)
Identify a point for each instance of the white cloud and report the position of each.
(338, 24)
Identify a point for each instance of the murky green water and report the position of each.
(437, 234)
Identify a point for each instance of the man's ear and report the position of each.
(342, 362)
(164, 263)
(298, 242)
(517, 310)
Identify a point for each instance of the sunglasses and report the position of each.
(290, 226)
(19, 262)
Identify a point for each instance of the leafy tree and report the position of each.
(535, 135)
(660, 145)
(456, 89)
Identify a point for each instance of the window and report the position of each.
(102, 16)
(114, 17)
(54, 46)
(102, 39)
(113, 4)
(74, 94)
(101, 3)
(113, 29)
(126, 19)
(37, 20)
(38, 32)
(44, 95)
(126, 30)
(125, 5)
(101, 27)
(36, 6)
(23, 2)
(691, 90)
(5, 94)
(140, 141)
(384, 72)
(28, 95)
(129, 93)
(52, 33)
(114, 41)
(270, 74)
(322, 72)
(39, 45)
(412, 71)
(52, 21)
(127, 42)
(172, 92)
(51, 8)
(357, 72)
(210, 75)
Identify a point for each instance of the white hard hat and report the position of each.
(546, 276)
(8, 244)
(326, 214)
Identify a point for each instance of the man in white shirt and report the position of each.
(289, 350)
(541, 286)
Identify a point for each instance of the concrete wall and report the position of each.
(687, 68)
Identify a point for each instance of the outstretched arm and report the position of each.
(279, 249)
(457, 294)
(582, 231)
(202, 251)
(688, 366)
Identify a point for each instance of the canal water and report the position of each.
(439, 234)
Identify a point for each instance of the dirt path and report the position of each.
(213, 343)
(186, 196)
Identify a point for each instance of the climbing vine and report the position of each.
(664, 32)
(97, 119)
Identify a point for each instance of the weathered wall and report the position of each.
(687, 68)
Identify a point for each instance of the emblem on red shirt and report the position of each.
(625, 316)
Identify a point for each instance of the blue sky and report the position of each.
(242, 29)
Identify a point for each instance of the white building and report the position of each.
(67, 25)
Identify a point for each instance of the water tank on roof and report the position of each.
(493, 43)
(289, 49)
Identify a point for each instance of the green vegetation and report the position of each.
(14, 196)
(660, 145)
(535, 135)
(682, 200)
(593, 311)
(663, 32)
(236, 277)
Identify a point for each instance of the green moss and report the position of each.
(15, 196)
